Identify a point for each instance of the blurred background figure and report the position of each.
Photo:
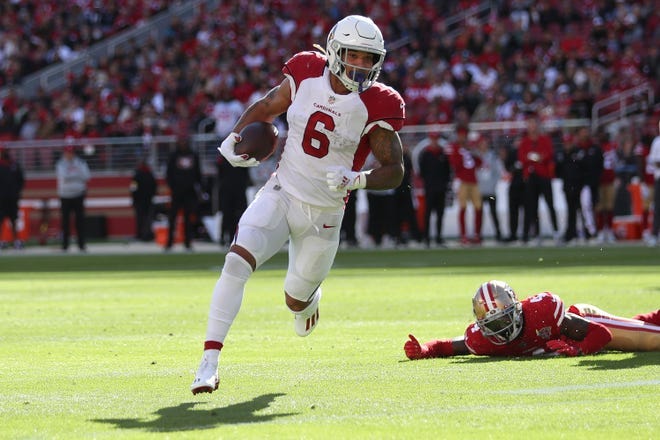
(606, 190)
(406, 227)
(184, 178)
(143, 189)
(593, 168)
(536, 156)
(11, 186)
(465, 161)
(72, 177)
(381, 224)
(653, 160)
(348, 236)
(233, 183)
(570, 166)
(515, 191)
(489, 174)
(435, 171)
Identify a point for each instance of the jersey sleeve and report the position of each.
(385, 106)
(304, 65)
(476, 342)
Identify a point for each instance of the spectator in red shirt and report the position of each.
(538, 166)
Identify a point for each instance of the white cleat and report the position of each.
(304, 322)
(206, 379)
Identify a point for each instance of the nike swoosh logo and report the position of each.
(328, 226)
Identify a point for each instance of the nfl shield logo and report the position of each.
(331, 99)
(544, 333)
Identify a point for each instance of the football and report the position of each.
(258, 140)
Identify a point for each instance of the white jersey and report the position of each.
(327, 129)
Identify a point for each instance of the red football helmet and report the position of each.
(498, 312)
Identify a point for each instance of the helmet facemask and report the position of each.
(360, 34)
(498, 312)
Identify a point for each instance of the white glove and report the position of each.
(227, 150)
(341, 179)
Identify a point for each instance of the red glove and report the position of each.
(432, 349)
(414, 350)
(562, 347)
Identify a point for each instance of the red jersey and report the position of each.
(542, 317)
(537, 156)
(465, 163)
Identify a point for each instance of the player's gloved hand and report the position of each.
(342, 179)
(562, 347)
(415, 350)
(227, 150)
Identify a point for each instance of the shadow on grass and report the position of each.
(598, 361)
(633, 360)
(186, 417)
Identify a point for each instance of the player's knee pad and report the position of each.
(236, 266)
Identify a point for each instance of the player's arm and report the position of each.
(387, 149)
(268, 107)
(435, 348)
(580, 336)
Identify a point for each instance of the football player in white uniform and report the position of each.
(337, 113)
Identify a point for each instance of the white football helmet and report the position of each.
(498, 312)
(358, 33)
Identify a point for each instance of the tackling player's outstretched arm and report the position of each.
(435, 348)
(580, 336)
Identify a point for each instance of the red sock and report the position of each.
(461, 221)
(651, 317)
(212, 345)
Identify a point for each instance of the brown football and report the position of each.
(258, 140)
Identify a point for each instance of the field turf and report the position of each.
(105, 346)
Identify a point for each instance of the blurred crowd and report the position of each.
(556, 57)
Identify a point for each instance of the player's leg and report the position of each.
(314, 241)
(651, 317)
(462, 197)
(262, 231)
(477, 203)
(65, 213)
(627, 334)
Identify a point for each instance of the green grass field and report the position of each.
(105, 346)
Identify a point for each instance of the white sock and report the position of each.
(227, 297)
(212, 355)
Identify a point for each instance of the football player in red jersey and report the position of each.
(539, 325)
(337, 113)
